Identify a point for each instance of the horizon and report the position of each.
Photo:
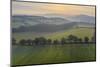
(51, 15)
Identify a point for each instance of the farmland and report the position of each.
(23, 55)
(53, 53)
(80, 32)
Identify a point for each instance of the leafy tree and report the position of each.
(93, 39)
(13, 41)
(56, 42)
(63, 41)
(86, 39)
(36, 41)
(72, 39)
(42, 41)
(29, 42)
(22, 42)
(33, 43)
(79, 40)
(49, 41)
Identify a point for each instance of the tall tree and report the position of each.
(29, 42)
(86, 39)
(42, 40)
(56, 42)
(49, 41)
(93, 38)
(36, 41)
(63, 41)
(72, 39)
(22, 42)
(79, 40)
(14, 41)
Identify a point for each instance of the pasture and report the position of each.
(53, 53)
(23, 55)
(79, 32)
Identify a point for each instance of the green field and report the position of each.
(79, 32)
(23, 55)
(42, 54)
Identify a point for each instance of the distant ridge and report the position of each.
(27, 20)
(83, 18)
(51, 27)
(25, 23)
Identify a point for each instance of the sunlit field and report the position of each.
(80, 32)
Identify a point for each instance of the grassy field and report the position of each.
(42, 54)
(23, 55)
(79, 32)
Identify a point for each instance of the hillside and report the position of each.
(79, 32)
(82, 18)
(27, 20)
(41, 28)
(21, 20)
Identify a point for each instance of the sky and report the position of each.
(32, 8)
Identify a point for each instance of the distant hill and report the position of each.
(75, 18)
(82, 18)
(24, 23)
(23, 20)
(51, 27)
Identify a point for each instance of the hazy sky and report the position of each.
(29, 8)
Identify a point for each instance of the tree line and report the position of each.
(71, 39)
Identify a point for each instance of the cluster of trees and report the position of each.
(71, 39)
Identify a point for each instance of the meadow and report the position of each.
(79, 32)
(54, 53)
(24, 55)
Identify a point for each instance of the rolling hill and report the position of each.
(79, 32)
(25, 20)
(21, 20)
(82, 18)
(40, 28)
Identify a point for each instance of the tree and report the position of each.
(93, 39)
(36, 41)
(72, 39)
(63, 41)
(22, 42)
(13, 41)
(79, 40)
(29, 42)
(56, 42)
(40, 41)
(86, 39)
(33, 43)
(49, 41)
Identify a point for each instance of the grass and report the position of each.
(23, 55)
(79, 32)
